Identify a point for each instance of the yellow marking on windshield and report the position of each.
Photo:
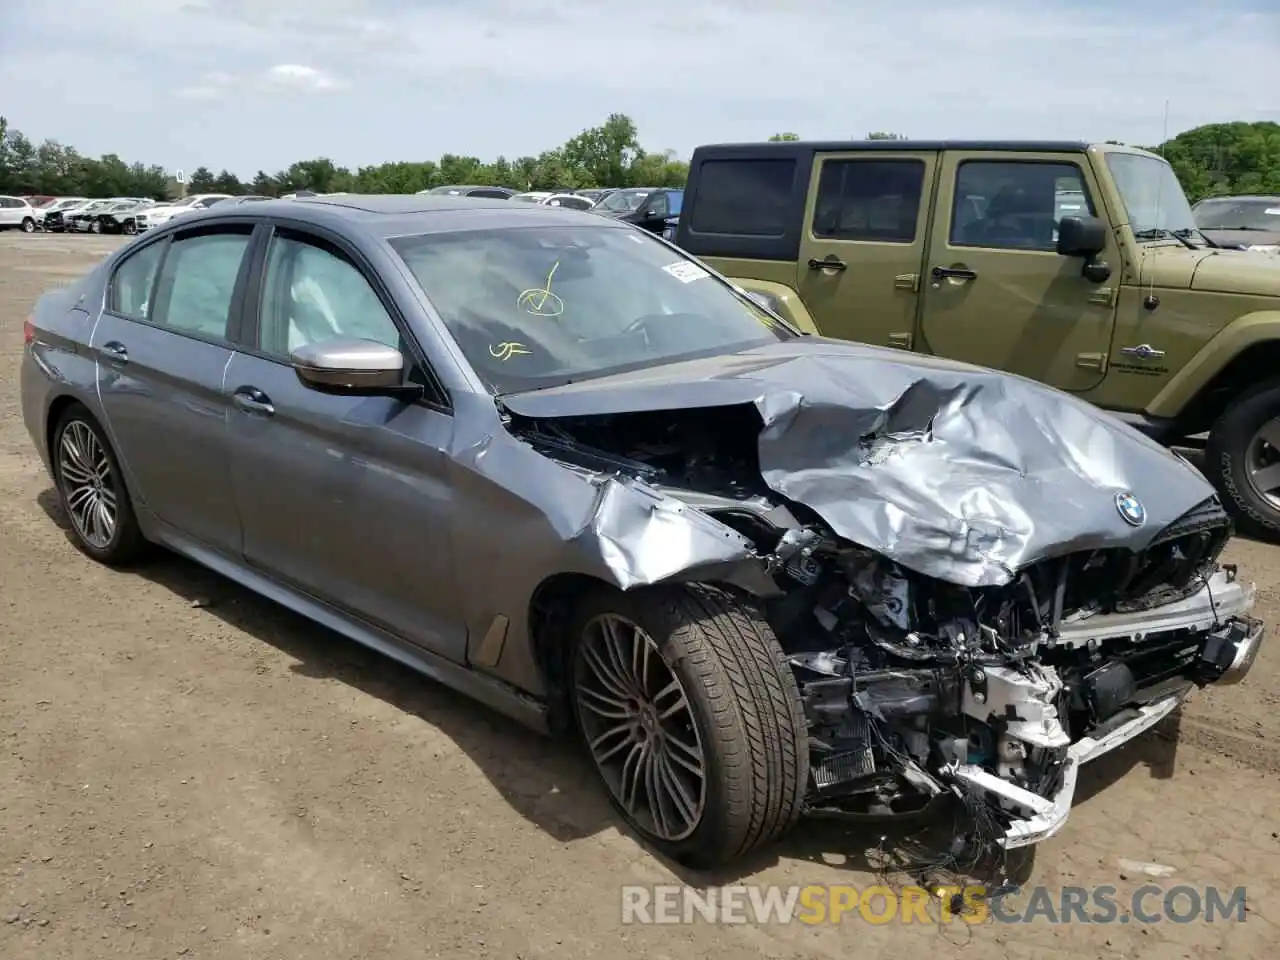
(540, 301)
(507, 349)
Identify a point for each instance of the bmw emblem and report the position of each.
(1131, 509)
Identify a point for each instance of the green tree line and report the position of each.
(1212, 160)
(607, 155)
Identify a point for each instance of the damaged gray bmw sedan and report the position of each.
(551, 461)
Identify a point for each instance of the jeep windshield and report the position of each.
(1152, 196)
(1262, 214)
(535, 307)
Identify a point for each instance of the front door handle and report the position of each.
(831, 262)
(115, 351)
(253, 401)
(957, 273)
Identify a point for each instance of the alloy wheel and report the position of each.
(1262, 462)
(639, 726)
(88, 484)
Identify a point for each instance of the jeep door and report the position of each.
(863, 243)
(995, 291)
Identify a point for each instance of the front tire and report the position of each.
(1242, 459)
(28, 225)
(692, 719)
(92, 491)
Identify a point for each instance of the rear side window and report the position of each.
(747, 197)
(131, 286)
(870, 200)
(197, 281)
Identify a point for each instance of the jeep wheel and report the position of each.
(28, 225)
(1242, 459)
(692, 719)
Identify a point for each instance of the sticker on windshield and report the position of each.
(685, 272)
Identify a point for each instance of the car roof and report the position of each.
(392, 215)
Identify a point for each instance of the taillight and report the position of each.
(28, 331)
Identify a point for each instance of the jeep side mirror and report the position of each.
(1081, 236)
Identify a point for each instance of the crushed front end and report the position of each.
(924, 671)
(914, 688)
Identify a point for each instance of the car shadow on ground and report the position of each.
(550, 782)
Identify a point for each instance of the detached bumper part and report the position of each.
(1226, 656)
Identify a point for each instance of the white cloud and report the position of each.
(406, 79)
(295, 76)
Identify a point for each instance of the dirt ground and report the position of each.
(188, 770)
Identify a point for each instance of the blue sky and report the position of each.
(249, 84)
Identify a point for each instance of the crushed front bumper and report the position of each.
(1228, 649)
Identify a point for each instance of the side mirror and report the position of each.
(352, 367)
(1081, 236)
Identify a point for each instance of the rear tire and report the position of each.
(92, 490)
(1242, 459)
(670, 681)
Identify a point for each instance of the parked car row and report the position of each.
(655, 209)
(650, 208)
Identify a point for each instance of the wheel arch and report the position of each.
(1256, 364)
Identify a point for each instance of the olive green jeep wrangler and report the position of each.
(1075, 264)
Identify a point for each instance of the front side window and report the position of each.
(870, 200)
(1015, 205)
(134, 279)
(197, 281)
(312, 295)
(536, 306)
(658, 206)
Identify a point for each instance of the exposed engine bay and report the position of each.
(915, 688)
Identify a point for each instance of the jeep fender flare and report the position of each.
(782, 299)
(1215, 356)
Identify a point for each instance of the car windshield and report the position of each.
(533, 307)
(623, 201)
(1151, 193)
(1262, 214)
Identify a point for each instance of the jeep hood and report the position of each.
(1241, 272)
(956, 472)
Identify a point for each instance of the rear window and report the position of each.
(745, 197)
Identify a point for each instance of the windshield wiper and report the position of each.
(1157, 233)
(1241, 227)
(1196, 231)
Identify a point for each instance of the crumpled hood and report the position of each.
(956, 472)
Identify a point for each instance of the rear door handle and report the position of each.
(253, 401)
(958, 273)
(115, 351)
(832, 262)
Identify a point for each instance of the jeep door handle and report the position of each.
(116, 352)
(830, 263)
(957, 273)
(253, 401)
